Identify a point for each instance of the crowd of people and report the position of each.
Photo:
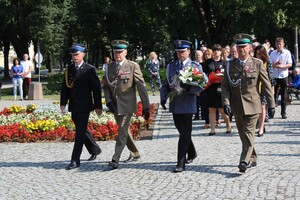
(251, 77)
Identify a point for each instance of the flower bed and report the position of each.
(46, 123)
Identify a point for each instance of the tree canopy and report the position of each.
(147, 25)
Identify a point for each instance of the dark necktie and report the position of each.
(181, 65)
(242, 64)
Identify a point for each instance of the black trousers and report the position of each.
(197, 114)
(282, 83)
(204, 106)
(25, 86)
(183, 123)
(83, 136)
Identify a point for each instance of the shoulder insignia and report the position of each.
(195, 63)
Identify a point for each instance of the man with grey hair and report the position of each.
(241, 98)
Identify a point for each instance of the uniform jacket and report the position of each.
(120, 87)
(85, 95)
(245, 99)
(185, 102)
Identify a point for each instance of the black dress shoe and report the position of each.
(190, 160)
(113, 164)
(196, 118)
(94, 156)
(259, 134)
(73, 165)
(242, 167)
(132, 159)
(210, 134)
(283, 116)
(251, 164)
(178, 169)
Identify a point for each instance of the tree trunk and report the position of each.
(6, 61)
(49, 62)
(203, 9)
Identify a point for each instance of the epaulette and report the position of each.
(195, 63)
(133, 63)
(90, 65)
(256, 60)
(172, 62)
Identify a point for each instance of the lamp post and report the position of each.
(296, 44)
(39, 60)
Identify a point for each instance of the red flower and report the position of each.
(109, 131)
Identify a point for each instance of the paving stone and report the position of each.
(37, 170)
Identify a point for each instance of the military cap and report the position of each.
(182, 45)
(119, 45)
(77, 48)
(242, 39)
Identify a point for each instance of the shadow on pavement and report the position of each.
(103, 167)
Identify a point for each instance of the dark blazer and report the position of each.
(85, 95)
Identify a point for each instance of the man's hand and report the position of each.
(62, 109)
(163, 104)
(271, 112)
(227, 110)
(98, 111)
(146, 113)
(185, 86)
(111, 107)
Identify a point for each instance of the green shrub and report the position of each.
(54, 84)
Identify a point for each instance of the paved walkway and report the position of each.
(37, 170)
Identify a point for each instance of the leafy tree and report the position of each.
(50, 29)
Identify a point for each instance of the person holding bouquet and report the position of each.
(240, 96)
(215, 67)
(182, 105)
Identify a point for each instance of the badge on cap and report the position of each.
(242, 39)
(119, 45)
(77, 48)
(182, 45)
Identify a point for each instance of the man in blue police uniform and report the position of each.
(81, 89)
(183, 106)
(241, 98)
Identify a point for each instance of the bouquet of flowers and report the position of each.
(215, 77)
(190, 76)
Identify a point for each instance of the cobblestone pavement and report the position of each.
(37, 170)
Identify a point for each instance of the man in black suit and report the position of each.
(81, 89)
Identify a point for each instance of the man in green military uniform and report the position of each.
(122, 78)
(240, 96)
